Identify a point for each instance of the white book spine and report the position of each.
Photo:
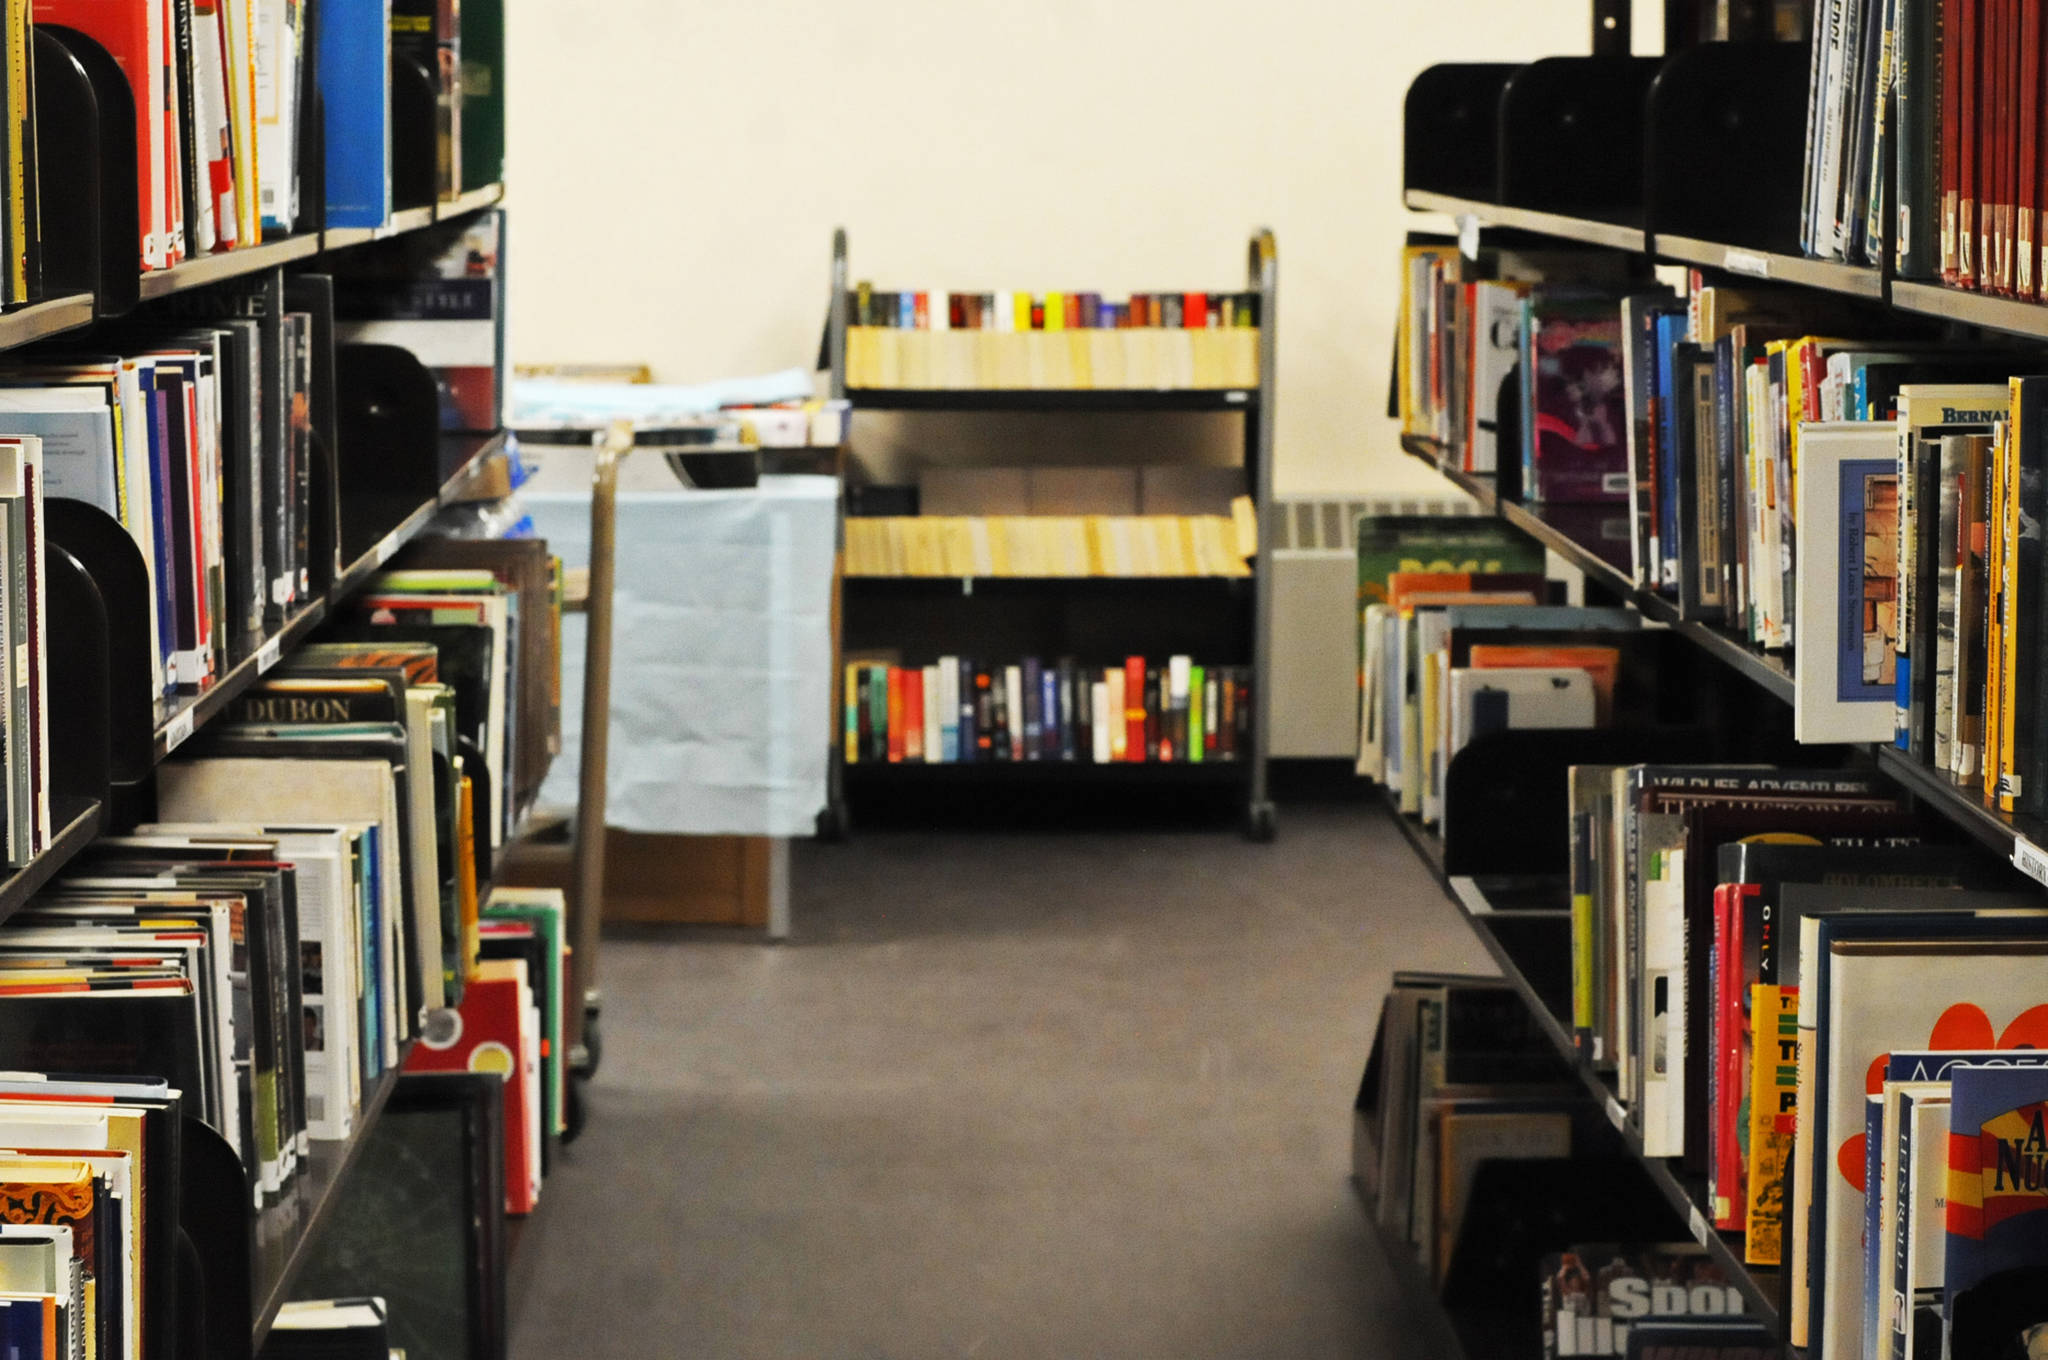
(1663, 1111)
(1006, 312)
(928, 678)
(949, 709)
(1099, 733)
(1013, 704)
(937, 308)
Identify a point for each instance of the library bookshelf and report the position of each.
(1098, 619)
(105, 748)
(1696, 183)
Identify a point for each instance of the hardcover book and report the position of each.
(1996, 1272)
(1593, 1294)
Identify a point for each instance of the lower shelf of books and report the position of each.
(1208, 773)
(1525, 924)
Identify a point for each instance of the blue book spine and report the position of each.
(1053, 725)
(373, 957)
(1034, 715)
(354, 70)
(1874, 1254)
(159, 436)
(969, 741)
(1670, 334)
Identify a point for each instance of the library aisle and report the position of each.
(1002, 1095)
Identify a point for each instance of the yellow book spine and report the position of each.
(2007, 442)
(1021, 310)
(849, 699)
(1994, 650)
(1055, 311)
(1773, 1101)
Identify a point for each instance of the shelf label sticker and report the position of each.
(1697, 1221)
(1468, 235)
(177, 731)
(267, 655)
(2030, 859)
(1236, 398)
(1615, 1116)
(1747, 262)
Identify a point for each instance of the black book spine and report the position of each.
(1155, 709)
(1926, 585)
(1074, 703)
(191, 151)
(2030, 432)
(984, 716)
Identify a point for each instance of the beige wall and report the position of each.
(677, 168)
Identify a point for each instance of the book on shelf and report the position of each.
(1594, 1294)
(1459, 1074)
(957, 711)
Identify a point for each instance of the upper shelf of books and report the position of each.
(147, 174)
(1896, 192)
(1079, 350)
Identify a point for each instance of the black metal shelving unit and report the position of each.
(1682, 183)
(1064, 604)
(89, 780)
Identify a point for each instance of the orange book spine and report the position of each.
(897, 716)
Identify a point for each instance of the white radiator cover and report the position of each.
(1314, 552)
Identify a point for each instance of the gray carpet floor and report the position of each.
(1002, 1096)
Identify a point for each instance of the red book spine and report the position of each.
(1968, 94)
(124, 31)
(896, 715)
(2027, 202)
(1951, 133)
(913, 714)
(1038, 314)
(1730, 1204)
(984, 723)
(1194, 311)
(956, 312)
(1997, 219)
(921, 311)
(1134, 708)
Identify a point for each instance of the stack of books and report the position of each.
(927, 340)
(957, 711)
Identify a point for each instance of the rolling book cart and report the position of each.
(1687, 160)
(1097, 619)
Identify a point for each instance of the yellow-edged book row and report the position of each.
(1082, 360)
(1054, 545)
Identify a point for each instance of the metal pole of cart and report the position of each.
(587, 905)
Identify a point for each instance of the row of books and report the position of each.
(1945, 100)
(1461, 1079)
(220, 92)
(957, 711)
(935, 310)
(1471, 327)
(197, 438)
(1079, 359)
(1467, 643)
(1756, 952)
(1051, 545)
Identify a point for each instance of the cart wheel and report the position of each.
(835, 824)
(1259, 825)
(576, 1109)
(593, 1043)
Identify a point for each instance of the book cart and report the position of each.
(1684, 159)
(1098, 619)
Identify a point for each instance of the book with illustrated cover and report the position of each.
(1996, 1263)
(1574, 419)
